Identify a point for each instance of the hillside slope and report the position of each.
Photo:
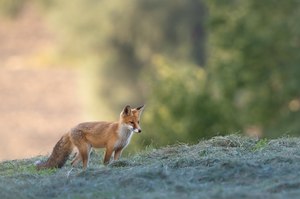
(222, 167)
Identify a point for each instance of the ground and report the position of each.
(222, 167)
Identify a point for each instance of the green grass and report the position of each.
(261, 144)
(222, 167)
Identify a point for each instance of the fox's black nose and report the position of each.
(139, 130)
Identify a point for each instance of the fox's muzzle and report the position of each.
(137, 130)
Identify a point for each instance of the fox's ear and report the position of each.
(140, 109)
(126, 111)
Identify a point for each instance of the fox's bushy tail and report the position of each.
(59, 155)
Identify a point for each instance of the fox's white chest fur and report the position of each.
(125, 133)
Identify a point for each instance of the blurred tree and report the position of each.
(254, 61)
(250, 82)
(179, 107)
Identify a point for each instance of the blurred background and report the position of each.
(202, 67)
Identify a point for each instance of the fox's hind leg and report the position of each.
(76, 159)
(84, 151)
(83, 147)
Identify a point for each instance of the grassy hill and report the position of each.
(222, 167)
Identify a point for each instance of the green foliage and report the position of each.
(178, 108)
(250, 78)
(261, 144)
(253, 67)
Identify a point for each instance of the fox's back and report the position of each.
(94, 127)
(97, 133)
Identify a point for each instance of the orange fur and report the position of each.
(114, 136)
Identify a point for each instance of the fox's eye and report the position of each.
(138, 122)
(132, 123)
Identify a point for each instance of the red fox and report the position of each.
(114, 136)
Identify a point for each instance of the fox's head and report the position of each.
(131, 117)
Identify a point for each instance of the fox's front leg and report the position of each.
(107, 156)
(118, 153)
